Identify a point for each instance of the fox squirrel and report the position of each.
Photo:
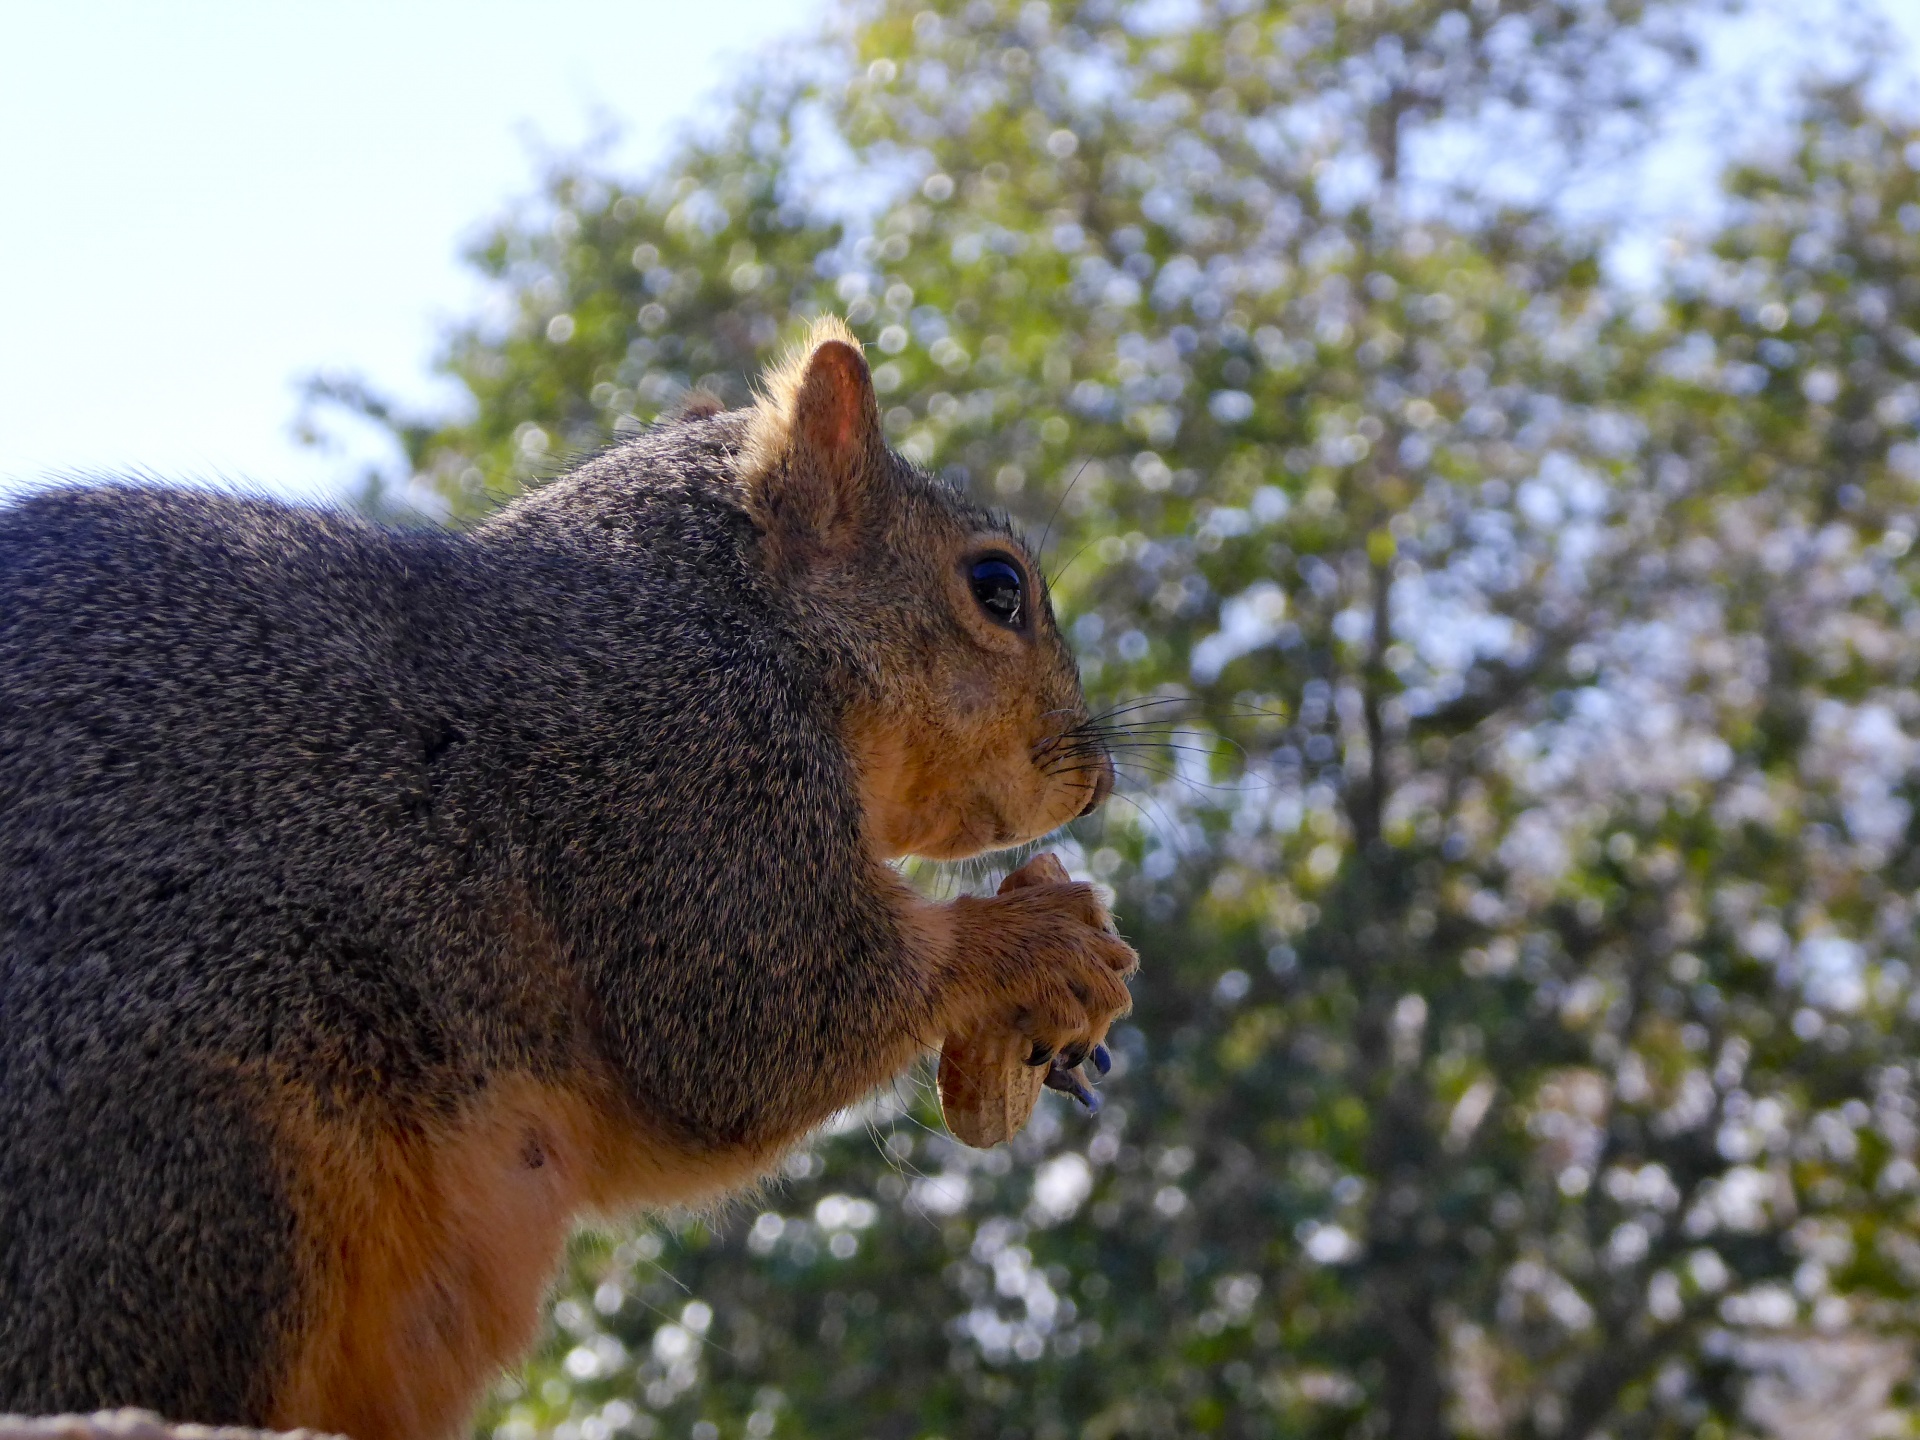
(374, 904)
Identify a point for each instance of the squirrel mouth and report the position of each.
(1003, 833)
(990, 822)
(1103, 781)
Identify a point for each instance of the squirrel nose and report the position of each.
(1102, 785)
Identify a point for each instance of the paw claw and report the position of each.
(1068, 1082)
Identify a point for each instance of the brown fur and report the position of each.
(536, 896)
(433, 1243)
(429, 1246)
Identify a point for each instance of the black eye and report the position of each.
(996, 585)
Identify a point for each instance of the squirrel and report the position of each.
(376, 905)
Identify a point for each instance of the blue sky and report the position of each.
(203, 201)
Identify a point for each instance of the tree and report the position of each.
(1515, 677)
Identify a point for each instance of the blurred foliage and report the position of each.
(1522, 722)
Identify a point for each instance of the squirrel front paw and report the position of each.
(1038, 978)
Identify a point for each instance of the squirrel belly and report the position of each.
(376, 905)
(429, 1251)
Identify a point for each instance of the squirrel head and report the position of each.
(963, 711)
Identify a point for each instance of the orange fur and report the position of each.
(942, 781)
(891, 763)
(428, 1248)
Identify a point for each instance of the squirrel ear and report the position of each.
(814, 444)
(835, 416)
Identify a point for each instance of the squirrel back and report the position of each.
(372, 903)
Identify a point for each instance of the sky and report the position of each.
(201, 202)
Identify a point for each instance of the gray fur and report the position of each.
(271, 780)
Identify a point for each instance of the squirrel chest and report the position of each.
(428, 1249)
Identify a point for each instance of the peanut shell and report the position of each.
(987, 1090)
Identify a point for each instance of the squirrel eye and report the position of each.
(997, 586)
